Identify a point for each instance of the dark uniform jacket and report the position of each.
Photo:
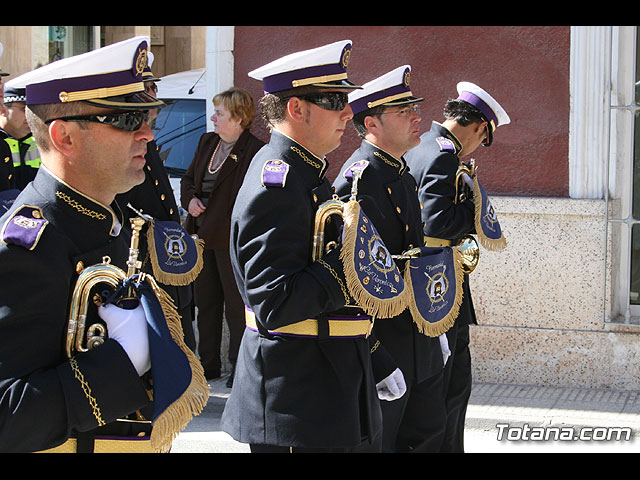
(45, 397)
(306, 392)
(434, 164)
(216, 219)
(155, 197)
(7, 177)
(387, 195)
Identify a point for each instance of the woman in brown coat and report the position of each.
(208, 191)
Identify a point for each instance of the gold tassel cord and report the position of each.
(372, 305)
(488, 243)
(175, 279)
(435, 329)
(191, 403)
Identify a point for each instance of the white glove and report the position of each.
(392, 387)
(444, 347)
(129, 329)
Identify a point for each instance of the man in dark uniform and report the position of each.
(7, 181)
(387, 118)
(470, 121)
(154, 197)
(299, 385)
(88, 115)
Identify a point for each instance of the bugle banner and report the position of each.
(486, 221)
(373, 278)
(176, 256)
(434, 285)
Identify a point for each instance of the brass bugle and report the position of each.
(333, 206)
(88, 278)
(462, 189)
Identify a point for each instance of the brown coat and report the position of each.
(216, 221)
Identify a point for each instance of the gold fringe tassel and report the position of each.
(173, 278)
(374, 306)
(488, 243)
(176, 417)
(435, 329)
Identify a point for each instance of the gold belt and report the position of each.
(107, 445)
(437, 242)
(340, 326)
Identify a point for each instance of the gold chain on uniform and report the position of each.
(335, 275)
(305, 158)
(87, 391)
(83, 210)
(385, 159)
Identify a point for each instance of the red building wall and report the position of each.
(526, 68)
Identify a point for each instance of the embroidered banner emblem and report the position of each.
(434, 284)
(373, 278)
(176, 257)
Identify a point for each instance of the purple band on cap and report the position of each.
(284, 81)
(49, 92)
(362, 103)
(480, 105)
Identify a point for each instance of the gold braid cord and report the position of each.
(173, 278)
(176, 417)
(435, 329)
(488, 243)
(374, 306)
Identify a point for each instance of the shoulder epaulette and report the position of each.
(274, 173)
(446, 145)
(361, 164)
(24, 227)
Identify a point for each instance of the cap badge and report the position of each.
(407, 77)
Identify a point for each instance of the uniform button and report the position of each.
(6, 159)
(162, 197)
(406, 228)
(315, 198)
(389, 190)
(156, 183)
(79, 267)
(398, 209)
(149, 167)
(171, 211)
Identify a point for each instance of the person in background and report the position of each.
(155, 197)
(448, 213)
(208, 191)
(13, 122)
(7, 180)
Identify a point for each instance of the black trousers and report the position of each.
(364, 448)
(457, 378)
(415, 422)
(216, 295)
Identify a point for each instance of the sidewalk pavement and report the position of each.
(501, 418)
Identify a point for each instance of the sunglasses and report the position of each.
(128, 121)
(328, 100)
